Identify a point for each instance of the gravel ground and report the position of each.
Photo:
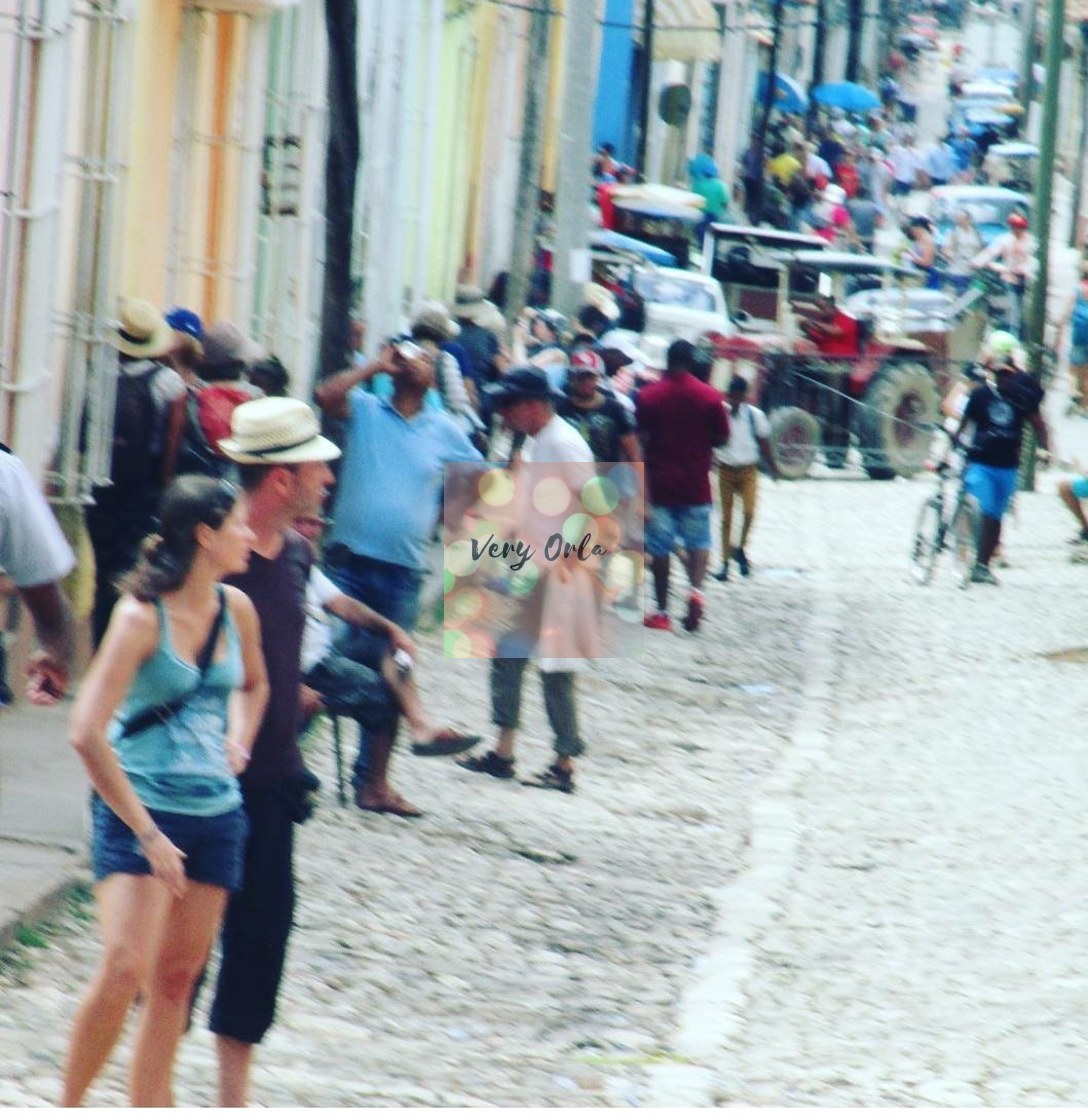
(826, 852)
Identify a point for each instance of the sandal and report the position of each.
(552, 778)
(490, 763)
(447, 741)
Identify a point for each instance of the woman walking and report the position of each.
(180, 672)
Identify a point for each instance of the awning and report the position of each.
(686, 31)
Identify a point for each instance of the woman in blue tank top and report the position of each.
(169, 828)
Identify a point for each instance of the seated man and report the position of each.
(374, 695)
(836, 334)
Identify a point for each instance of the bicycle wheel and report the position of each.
(924, 552)
(966, 522)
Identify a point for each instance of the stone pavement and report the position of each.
(826, 852)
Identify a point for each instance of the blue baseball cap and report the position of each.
(186, 322)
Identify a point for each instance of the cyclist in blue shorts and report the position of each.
(998, 410)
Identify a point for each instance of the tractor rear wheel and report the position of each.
(795, 436)
(896, 420)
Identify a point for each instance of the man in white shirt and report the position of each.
(375, 696)
(738, 471)
(526, 403)
(35, 556)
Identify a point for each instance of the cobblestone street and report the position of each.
(827, 852)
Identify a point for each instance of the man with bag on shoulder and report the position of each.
(738, 461)
(283, 469)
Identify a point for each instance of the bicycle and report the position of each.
(949, 521)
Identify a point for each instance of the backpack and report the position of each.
(1080, 322)
(136, 422)
(210, 408)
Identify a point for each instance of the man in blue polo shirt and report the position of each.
(387, 504)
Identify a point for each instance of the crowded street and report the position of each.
(811, 833)
(822, 854)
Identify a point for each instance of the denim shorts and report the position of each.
(1078, 355)
(214, 847)
(1079, 486)
(994, 487)
(668, 526)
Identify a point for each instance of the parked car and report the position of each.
(682, 304)
(989, 208)
(1014, 164)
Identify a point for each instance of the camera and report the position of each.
(405, 348)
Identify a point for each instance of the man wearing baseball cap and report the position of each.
(998, 412)
(1014, 257)
(283, 468)
(598, 417)
(527, 404)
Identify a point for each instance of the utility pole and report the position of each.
(646, 92)
(575, 139)
(1044, 192)
(1027, 54)
(532, 141)
(1082, 140)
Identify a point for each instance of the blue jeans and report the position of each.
(390, 589)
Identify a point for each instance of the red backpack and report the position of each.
(210, 409)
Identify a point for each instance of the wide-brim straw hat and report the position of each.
(141, 330)
(277, 430)
(434, 314)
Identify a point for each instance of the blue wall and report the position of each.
(614, 113)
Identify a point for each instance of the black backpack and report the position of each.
(136, 437)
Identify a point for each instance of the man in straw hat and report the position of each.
(123, 512)
(283, 467)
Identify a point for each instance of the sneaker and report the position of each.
(742, 561)
(982, 574)
(695, 612)
(490, 763)
(722, 574)
(552, 778)
(658, 621)
(1080, 538)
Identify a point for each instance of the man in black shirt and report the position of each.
(998, 411)
(600, 419)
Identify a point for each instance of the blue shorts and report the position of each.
(214, 847)
(668, 526)
(1079, 486)
(1078, 355)
(993, 487)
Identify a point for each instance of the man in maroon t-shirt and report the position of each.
(680, 421)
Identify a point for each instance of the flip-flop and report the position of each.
(447, 741)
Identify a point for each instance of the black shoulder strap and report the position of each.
(4, 447)
(160, 713)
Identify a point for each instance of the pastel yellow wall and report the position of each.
(145, 237)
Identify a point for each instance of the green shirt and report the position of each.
(715, 196)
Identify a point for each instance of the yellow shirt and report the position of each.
(784, 167)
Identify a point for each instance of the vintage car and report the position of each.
(682, 304)
(877, 388)
(989, 208)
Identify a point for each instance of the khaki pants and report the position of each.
(733, 481)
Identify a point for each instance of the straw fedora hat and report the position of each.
(277, 430)
(433, 314)
(141, 330)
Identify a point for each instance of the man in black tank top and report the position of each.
(284, 471)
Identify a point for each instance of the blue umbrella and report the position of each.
(846, 95)
(789, 97)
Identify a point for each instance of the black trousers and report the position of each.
(258, 923)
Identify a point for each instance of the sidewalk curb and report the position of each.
(72, 873)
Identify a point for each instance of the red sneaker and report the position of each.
(695, 612)
(659, 621)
